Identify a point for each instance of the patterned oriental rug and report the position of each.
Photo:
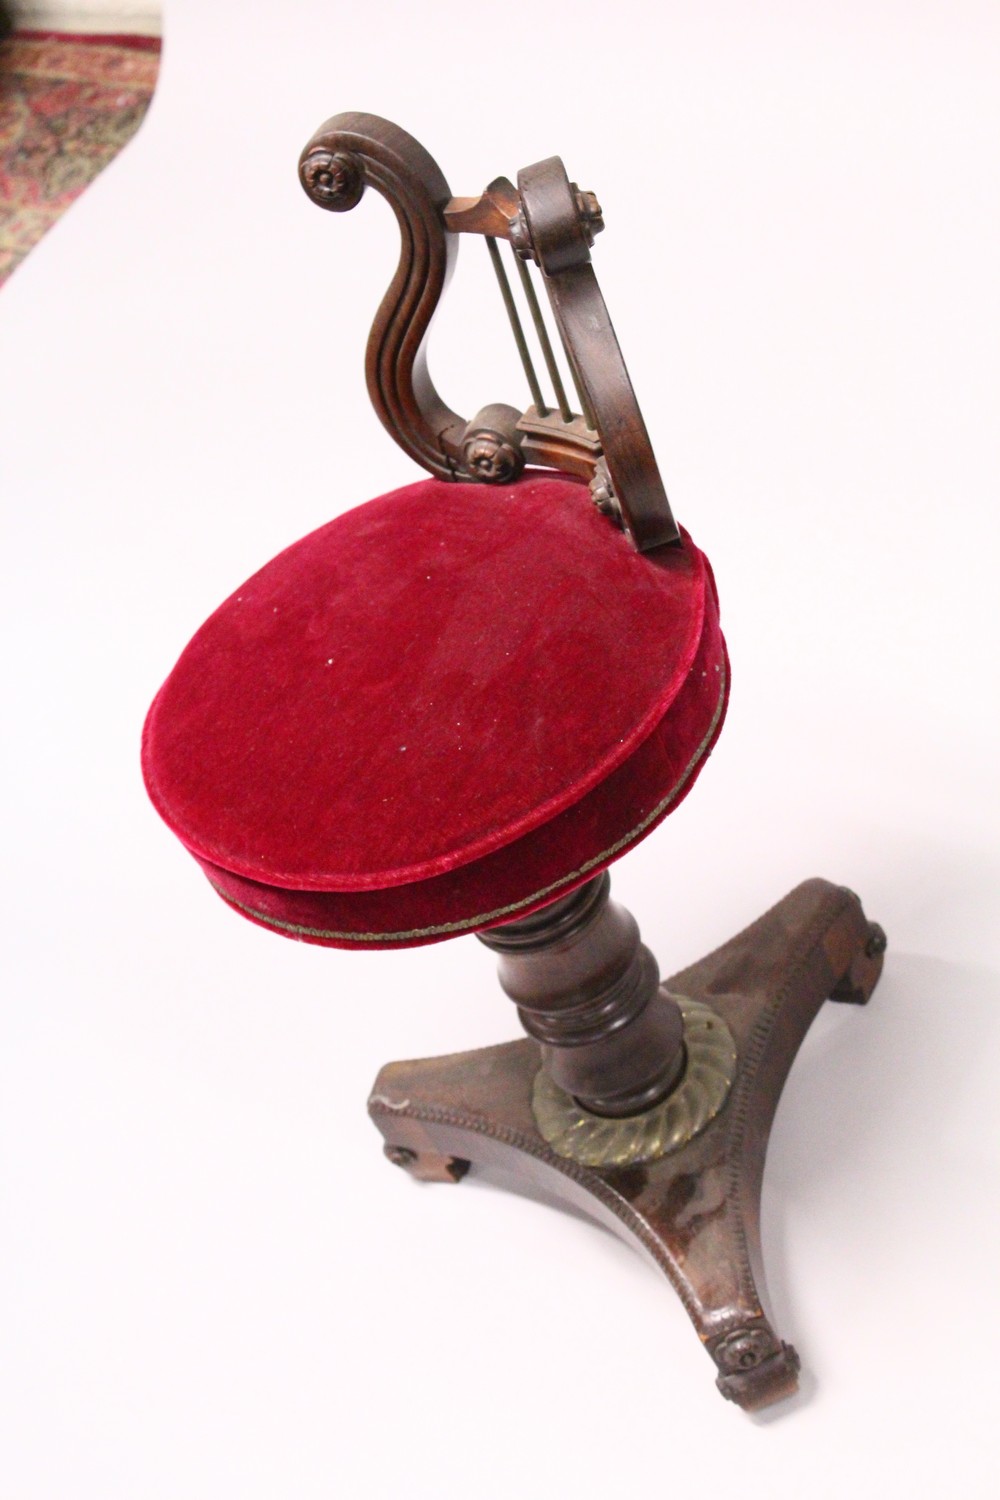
(68, 104)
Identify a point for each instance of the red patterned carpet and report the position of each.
(67, 106)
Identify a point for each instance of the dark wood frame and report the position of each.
(694, 1212)
(550, 222)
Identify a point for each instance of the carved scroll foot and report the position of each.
(696, 1210)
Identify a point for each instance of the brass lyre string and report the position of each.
(585, 406)
(545, 342)
(515, 326)
(543, 338)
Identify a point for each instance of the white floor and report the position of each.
(211, 1285)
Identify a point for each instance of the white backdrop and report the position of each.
(211, 1284)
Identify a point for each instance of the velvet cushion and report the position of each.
(437, 711)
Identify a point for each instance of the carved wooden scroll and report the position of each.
(549, 222)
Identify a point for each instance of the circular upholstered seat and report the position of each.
(437, 712)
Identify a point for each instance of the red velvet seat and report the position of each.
(439, 711)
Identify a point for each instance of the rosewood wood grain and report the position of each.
(696, 1212)
(589, 992)
(349, 153)
(559, 223)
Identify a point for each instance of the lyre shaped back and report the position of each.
(547, 221)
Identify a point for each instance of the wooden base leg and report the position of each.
(694, 1211)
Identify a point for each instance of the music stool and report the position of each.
(450, 709)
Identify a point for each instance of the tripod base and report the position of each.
(696, 1210)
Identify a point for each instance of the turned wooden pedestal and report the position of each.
(647, 1106)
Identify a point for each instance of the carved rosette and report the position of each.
(333, 180)
(491, 458)
(755, 1367)
(746, 1349)
(491, 445)
(520, 237)
(590, 212)
(602, 492)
